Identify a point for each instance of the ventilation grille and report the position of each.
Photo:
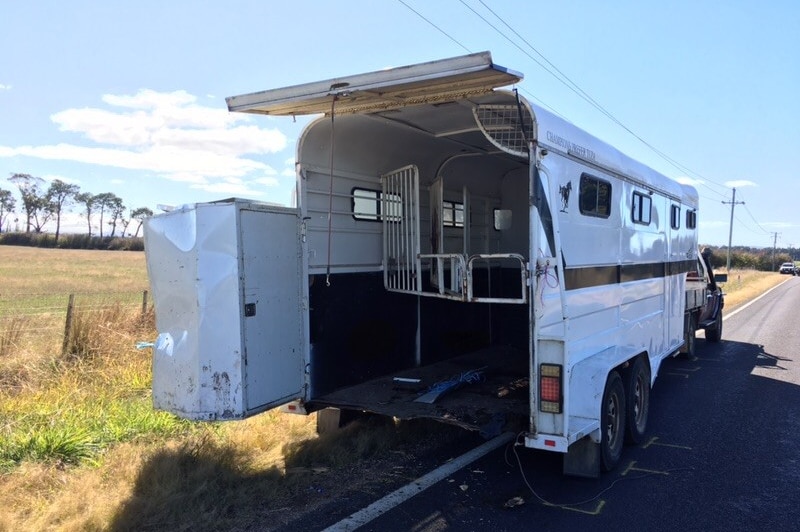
(502, 126)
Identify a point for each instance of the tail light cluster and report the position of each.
(551, 397)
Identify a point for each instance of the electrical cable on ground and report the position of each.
(544, 501)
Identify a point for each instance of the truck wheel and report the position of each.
(688, 350)
(714, 333)
(612, 422)
(637, 395)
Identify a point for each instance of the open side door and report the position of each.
(272, 299)
(230, 308)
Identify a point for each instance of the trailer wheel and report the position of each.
(612, 422)
(714, 332)
(637, 393)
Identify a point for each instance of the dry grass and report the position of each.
(744, 285)
(64, 271)
(82, 449)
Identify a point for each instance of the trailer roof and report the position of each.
(435, 81)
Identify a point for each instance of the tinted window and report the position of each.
(675, 217)
(642, 208)
(595, 196)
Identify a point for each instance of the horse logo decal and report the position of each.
(564, 190)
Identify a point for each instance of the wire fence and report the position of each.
(48, 317)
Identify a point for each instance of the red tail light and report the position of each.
(550, 392)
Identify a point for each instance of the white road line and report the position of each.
(701, 333)
(399, 496)
(739, 309)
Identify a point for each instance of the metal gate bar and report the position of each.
(400, 214)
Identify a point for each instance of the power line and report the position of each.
(574, 87)
(754, 219)
(435, 26)
(561, 77)
(746, 226)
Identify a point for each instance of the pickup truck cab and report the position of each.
(704, 303)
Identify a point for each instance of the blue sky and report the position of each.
(129, 97)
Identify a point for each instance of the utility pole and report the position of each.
(774, 245)
(733, 204)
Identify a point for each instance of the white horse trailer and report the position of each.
(455, 253)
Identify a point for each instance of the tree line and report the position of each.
(750, 258)
(40, 206)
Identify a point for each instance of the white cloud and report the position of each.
(4, 87)
(686, 180)
(268, 181)
(740, 183)
(231, 188)
(710, 224)
(778, 225)
(166, 134)
(52, 177)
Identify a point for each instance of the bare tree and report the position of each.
(7, 204)
(125, 222)
(116, 210)
(87, 199)
(34, 202)
(140, 215)
(107, 202)
(60, 195)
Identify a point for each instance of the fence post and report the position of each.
(144, 303)
(68, 324)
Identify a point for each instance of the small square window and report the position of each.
(502, 219)
(642, 208)
(374, 205)
(675, 217)
(691, 219)
(595, 197)
(452, 214)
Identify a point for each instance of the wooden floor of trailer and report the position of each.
(496, 400)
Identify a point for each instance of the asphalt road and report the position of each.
(722, 453)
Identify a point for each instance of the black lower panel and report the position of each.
(358, 330)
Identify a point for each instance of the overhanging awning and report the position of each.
(432, 82)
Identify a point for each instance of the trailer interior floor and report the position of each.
(486, 390)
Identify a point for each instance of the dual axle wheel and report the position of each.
(625, 407)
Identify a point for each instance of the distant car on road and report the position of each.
(788, 267)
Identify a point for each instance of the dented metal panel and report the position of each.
(205, 366)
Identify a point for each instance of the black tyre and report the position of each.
(714, 332)
(689, 349)
(637, 401)
(612, 422)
